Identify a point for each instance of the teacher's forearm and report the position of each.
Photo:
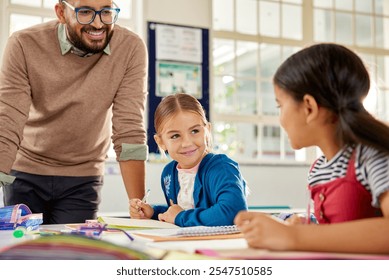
(133, 174)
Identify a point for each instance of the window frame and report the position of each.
(308, 38)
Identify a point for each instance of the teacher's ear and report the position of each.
(60, 12)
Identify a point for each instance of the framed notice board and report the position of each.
(178, 62)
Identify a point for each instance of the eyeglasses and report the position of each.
(87, 15)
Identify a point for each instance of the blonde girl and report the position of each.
(200, 188)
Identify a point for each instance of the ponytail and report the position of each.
(361, 127)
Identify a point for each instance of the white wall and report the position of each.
(269, 185)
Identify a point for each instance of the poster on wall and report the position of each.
(178, 62)
(174, 77)
(178, 43)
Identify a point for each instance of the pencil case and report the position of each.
(19, 215)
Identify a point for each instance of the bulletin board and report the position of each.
(178, 62)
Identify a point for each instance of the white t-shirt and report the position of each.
(186, 179)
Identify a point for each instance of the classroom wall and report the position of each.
(269, 184)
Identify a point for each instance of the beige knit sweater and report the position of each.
(55, 110)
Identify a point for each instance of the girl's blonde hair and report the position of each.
(175, 103)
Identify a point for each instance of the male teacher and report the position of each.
(66, 87)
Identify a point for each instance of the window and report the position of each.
(250, 40)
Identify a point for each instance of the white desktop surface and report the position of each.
(234, 247)
(192, 246)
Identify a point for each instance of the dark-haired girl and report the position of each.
(320, 91)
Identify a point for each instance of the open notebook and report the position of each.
(204, 230)
(192, 233)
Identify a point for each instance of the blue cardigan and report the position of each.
(219, 192)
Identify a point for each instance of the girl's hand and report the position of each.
(140, 210)
(295, 220)
(171, 213)
(262, 231)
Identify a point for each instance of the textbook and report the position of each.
(130, 224)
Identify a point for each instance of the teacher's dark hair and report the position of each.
(338, 80)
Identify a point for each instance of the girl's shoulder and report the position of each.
(363, 155)
(366, 155)
(219, 164)
(211, 159)
(372, 167)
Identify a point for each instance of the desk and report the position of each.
(238, 249)
(198, 249)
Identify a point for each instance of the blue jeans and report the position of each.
(61, 199)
